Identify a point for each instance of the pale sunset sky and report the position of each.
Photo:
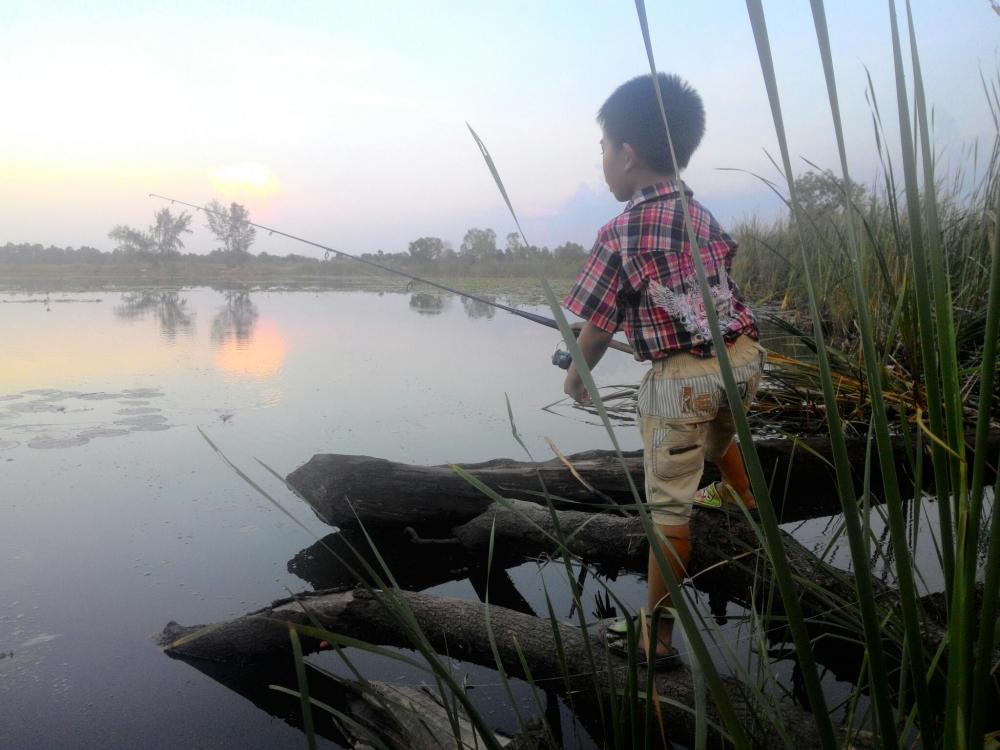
(345, 121)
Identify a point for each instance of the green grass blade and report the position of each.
(923, 297)
(904, 565)
(303, 681)
(980, 683)
(844, 481)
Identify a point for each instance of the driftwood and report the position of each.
(438, 527)
(726, 547)
(380, 712)
(457, 628)
(349, 490)
(727, 562)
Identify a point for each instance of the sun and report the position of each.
(244, 180)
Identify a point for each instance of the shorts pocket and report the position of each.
(677, 450)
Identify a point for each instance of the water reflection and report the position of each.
(245, 345)
(474, 308)
(236, 319)
(169, 308)
(434, 303)
(428, 304)
(258, 686)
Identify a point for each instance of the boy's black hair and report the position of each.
(632, 115)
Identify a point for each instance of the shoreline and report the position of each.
(35, 280)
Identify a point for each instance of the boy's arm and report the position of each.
(593, 343)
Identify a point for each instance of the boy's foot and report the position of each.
(719, 494)
(666, 657)
(662, 661)
(616, 640)
(619, 628)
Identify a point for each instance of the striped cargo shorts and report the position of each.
(684, 419)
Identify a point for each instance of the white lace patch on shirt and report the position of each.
(688, 308)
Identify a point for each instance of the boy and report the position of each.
(640, 276)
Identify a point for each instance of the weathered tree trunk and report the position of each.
(382, 714)
(727, 563)
(349, 490)
(458, 628)
(724, 545)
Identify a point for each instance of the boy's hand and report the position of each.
(593, 343)
(573, 386)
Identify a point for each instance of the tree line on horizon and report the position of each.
(164, 240)
(820, 193)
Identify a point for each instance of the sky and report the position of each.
(345, 122)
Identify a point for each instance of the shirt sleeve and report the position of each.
(594, 296)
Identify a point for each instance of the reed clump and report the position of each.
(770, 264)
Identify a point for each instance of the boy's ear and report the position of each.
(631, 157)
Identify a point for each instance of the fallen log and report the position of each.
(457, 628)
(346, 491)
(382, 714)
(727, 563)
(726, 546)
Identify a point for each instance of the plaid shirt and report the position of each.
(640, 276)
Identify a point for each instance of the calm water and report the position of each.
(118, 517)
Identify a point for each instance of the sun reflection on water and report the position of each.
(259, 355)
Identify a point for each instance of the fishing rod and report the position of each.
(560, 358)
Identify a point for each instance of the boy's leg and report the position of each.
(675, 546)
(734, 473)
(747, 361)
(731, 470)
(673, 457)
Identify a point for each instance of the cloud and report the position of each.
(576, 220)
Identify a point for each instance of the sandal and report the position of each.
(661, 662)
(616, 641)
(716, 495)
(619, 628)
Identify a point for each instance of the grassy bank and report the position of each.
(40, 278)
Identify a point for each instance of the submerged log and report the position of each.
(346, 491)
(726, 546)
(728, 564)
(457, 628)
(382, 714)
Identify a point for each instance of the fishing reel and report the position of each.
(561, 358)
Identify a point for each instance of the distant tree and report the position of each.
(231, 227)
(89, 253)
(515, 246)
(131, 241)
(823, 193)
(165, 232)
(569, 251)
(427, 248)
(479, 245)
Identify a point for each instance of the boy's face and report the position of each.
(618, 161)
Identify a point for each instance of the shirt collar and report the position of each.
(658, 191)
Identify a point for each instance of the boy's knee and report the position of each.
(716, 445)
